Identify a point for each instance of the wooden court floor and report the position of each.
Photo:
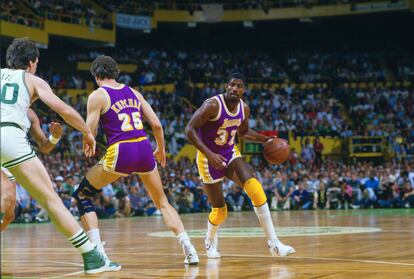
(329, 244)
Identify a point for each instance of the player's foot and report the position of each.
(191, 257)
(212, 248)
(277, 248)
(95, 262)
(113, 266)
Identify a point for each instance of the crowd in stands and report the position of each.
(164, 66)
(74, 12)
(148, 7)
(12, 12)
(305, 181)
(323, 109)
(300, 183)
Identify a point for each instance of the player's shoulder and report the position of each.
(99, 94)
(136, 92)
(33, 79)
(212, 103)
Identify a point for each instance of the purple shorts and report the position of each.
(208, 173)
(129, 156)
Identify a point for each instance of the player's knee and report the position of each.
(218, 215)
(254, 190)
(84, 195)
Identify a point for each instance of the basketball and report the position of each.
(276, 151)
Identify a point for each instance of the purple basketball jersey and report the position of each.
(219, 134)
(122, 119)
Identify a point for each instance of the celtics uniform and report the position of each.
(15, 101)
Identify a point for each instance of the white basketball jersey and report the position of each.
(14, 98)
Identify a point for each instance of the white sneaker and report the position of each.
(111, 266)
(212, 248)
(279, 249)
(191, 257)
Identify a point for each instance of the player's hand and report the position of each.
(89, 144)
(56, 129)
(159, 154)
(217, 161)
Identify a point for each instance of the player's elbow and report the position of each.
(156, 126)
(66, 112)
(188, 130)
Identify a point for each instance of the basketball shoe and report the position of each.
(113, 266)
(95, 262)
(277, 248)
(212, 248)
(191, 257)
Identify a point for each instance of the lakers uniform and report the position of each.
(218, 135)
(128, 149)
(15, 100)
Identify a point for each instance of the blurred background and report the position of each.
(334, 78)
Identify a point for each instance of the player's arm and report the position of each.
(96, 103)
(42, 90)
(44, 145)
(208, 110)
(248, 134)
(149, 115)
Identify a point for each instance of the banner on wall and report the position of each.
(133, 22)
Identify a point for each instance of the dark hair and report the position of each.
(104, 67)
(237, 76)
(20, 53)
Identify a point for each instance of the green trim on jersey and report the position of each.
(10, 124)
(19, 160)
(25, 84)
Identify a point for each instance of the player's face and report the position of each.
(235, 89)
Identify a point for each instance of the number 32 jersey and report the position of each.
(14, 97)
(122, 118)
(219, 134)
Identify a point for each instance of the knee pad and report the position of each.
(87, 191)
(218, 215)
(254, 190)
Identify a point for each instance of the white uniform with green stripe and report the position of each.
(15, 101)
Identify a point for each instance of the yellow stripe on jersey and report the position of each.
(109, 159)
(202, 165)
(111, 156)
(131, 140)
(108, 101)
(236, 152)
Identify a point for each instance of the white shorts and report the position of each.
(15, 148)
(8, 174)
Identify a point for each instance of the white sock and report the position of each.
(94, 236)
(81, 242)
(211, 231)
(184, 239)
(265, 220)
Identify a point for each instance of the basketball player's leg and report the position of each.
(95, 179)
(34, 177)
(242, 174)
(216, 217)
(212, 179)
(153, 184)
(8, 200)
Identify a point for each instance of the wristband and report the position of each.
(53, 140)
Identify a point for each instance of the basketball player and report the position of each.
(19, 88)
(45, 145)
(212, 130)
(120, 110)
